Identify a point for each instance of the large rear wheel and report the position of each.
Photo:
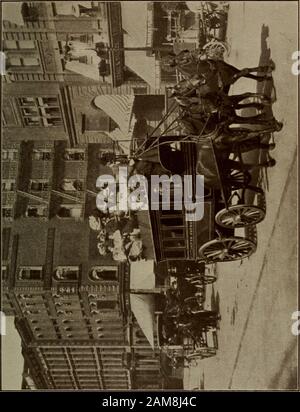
(238, 216)
(226, 250)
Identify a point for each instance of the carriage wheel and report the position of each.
(204, 352)
(193, 305)
(209, 279)
(202, 279)
(240, 216)
(239, 179)
(226, 250)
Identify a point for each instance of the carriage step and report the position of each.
(261, 201)
(251, 233)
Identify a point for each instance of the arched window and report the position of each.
(30, 273)
(66, 273)
(102, 273)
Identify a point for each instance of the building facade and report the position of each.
(71, 305)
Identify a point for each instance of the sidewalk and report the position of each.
(257, 296)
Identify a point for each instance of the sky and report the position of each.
(11, 357)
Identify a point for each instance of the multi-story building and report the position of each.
(81, 331)
(87, 42)
(70, 304)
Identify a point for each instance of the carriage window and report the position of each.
(174, 243)
(30, 273)
(171, 221)
(169, 233)
(174, 254)
(170, 213)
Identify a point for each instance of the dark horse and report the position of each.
(216, 75)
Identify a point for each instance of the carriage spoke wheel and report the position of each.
(239, 179)
(200, 353)
(208, 279)
(226, 250)
(201, 279)
(193, 305)
(240, 216)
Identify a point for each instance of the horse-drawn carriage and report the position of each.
(185, 324)
(213, 146)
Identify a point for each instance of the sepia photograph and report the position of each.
(149, 195)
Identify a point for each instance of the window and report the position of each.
(41, 154)
(30, 273)
(107, 305)
(70, 211)
(40, 111)
(74, 154)
(36, 211)
(7, 212)
(39, 185)
(66, 273)
(174, 254)
(21, 44)
(9, 154)
(23, 61)
(139, 90)
(10, 44)
(4, 272)
(8, 185)
(26, 44)
(72, 185)
(103, 273)
(27, 101)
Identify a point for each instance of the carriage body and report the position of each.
(178, 239)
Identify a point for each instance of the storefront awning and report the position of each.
(134, 22)
(142, 275)
(119, 109)
(87, 70)
(71, 7)
(137, 35)
(146, 67)
(142, 306)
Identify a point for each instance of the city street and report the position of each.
(257, 296)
